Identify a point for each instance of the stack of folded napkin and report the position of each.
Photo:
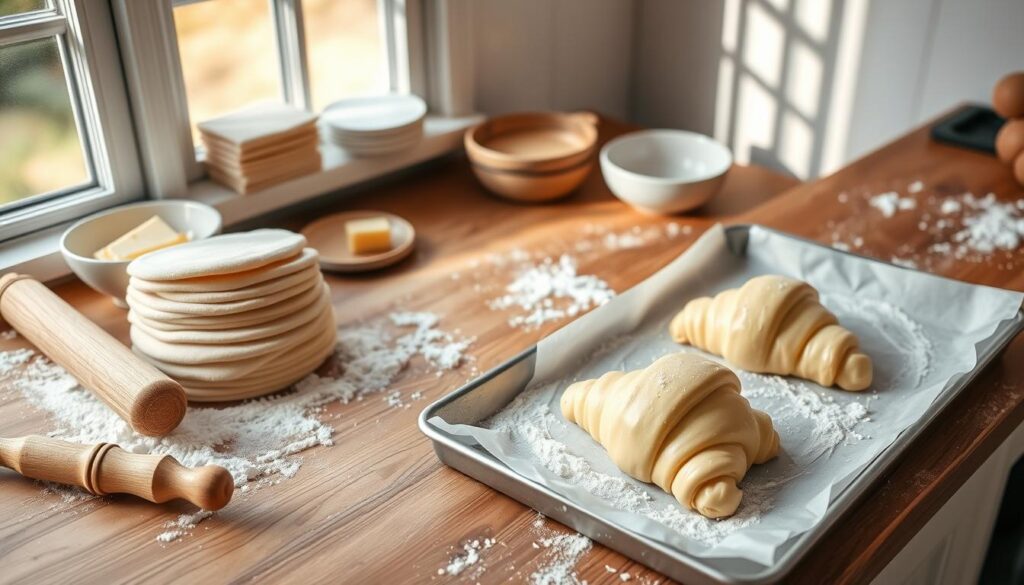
(260, 146)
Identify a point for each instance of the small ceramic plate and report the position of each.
(327, 235)
(375, 115)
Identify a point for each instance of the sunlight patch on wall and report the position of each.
(803, 85)
(796, 144)
(755, 119)
(763, 44)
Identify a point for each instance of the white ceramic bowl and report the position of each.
(110, 277)
(665, 171)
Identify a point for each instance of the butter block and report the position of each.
(369, 236)
(152, 234)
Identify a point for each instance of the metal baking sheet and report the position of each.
(485, 396)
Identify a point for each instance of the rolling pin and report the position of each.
(107, 469)
(152, 403)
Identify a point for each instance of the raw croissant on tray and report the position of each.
(679, 423)
(776, 325)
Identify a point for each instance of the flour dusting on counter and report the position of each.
(561, 554)
(550, 291)
(256, 440)
(979, 229)
(182, 526)
(470, 555)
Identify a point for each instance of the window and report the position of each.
(310, 53)
(98, 97)
(228, 56)
(346, 50)
(55, 163)
(43, 147)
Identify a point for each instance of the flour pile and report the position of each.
(256, 440)
(551, 291)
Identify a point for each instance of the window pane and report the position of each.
(228, 56)
(40, 149)
(345, 49)
(8, 7)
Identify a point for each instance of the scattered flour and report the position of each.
(470, 556)
(253, 440)
(965, 227)
(950, 206)
(890, 202)
(182, 526)
(634, 237)
(9, 335)
(833, 423)
(561, 554)
(551, 291)
(989, 225)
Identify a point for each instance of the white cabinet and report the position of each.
(950, 549)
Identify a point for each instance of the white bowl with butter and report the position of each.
(81, 242)
(665, 171)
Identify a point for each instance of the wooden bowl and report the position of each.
(328, 236)
(534, 186)
(533, 156)
(534, 140)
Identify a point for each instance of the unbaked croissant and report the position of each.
(776, 325)
(679, 423)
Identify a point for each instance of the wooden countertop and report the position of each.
(378, 507)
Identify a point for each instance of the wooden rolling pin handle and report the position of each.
(152, 403)
(108, 469)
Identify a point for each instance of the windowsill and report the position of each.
(38, 254)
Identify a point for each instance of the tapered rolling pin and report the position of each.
(107, 469)
(152, 403)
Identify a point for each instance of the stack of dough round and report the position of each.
(234, 316)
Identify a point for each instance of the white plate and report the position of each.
(414, 128)
(402, 138)
(375, 114)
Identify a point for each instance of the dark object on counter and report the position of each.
(1004, 563)
(973, 127)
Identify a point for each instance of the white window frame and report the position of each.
(427, 50)
(89, 55)
(136, 101)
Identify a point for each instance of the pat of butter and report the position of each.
(368, 236)
(153, 234)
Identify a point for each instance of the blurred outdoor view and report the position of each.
(229, 53)
(40, 150)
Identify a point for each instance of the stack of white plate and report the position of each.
(375, 126)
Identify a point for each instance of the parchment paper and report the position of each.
(631, 331)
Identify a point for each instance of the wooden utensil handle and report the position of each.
(152, 403)
(107, 469)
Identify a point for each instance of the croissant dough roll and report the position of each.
(776, 325)
(681, 424)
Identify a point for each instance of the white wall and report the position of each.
(923, 56)
(802, 85)
(552, 55)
